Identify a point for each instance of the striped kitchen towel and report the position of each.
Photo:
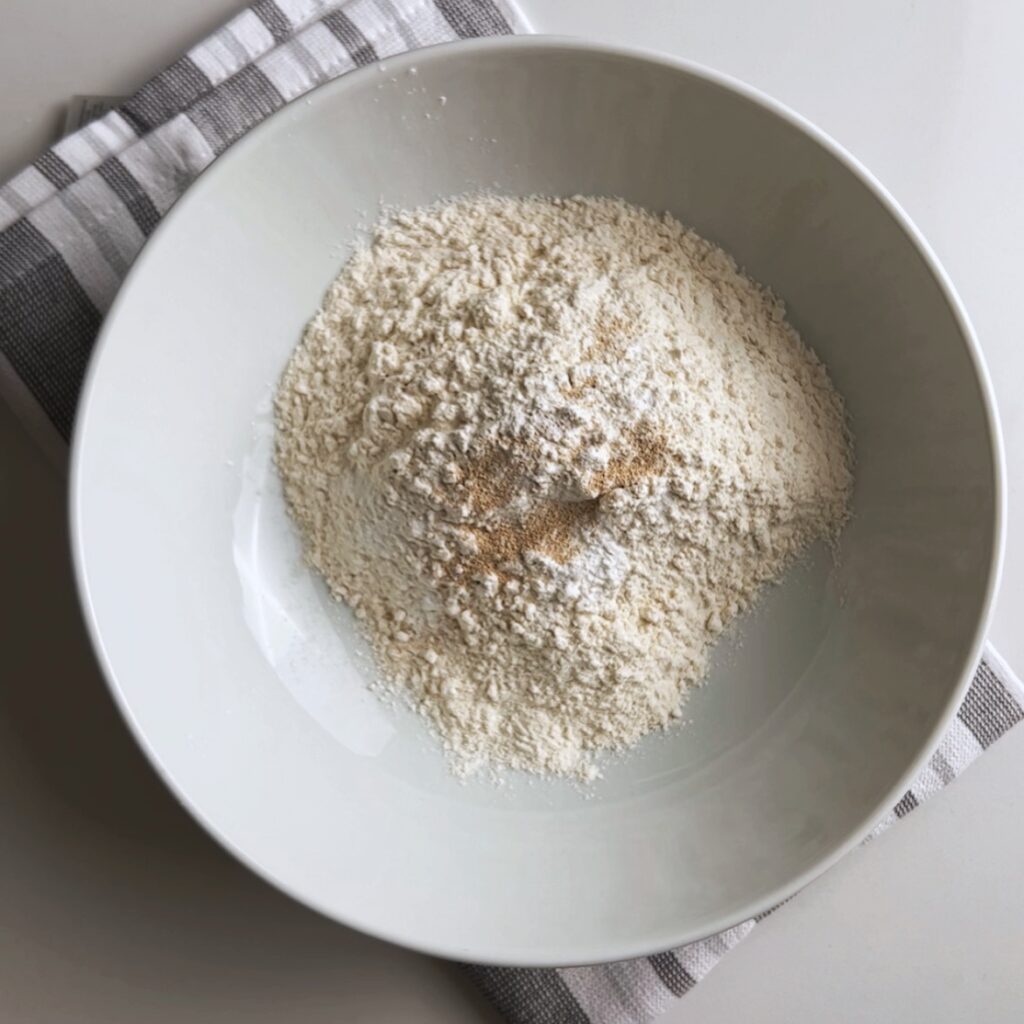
(71, 224)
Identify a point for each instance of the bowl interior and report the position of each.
(247, 685)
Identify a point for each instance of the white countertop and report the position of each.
(117, 908)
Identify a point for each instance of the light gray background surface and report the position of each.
(115, 907)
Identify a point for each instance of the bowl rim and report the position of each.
(607, 951)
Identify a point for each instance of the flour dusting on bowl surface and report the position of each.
(547, 449)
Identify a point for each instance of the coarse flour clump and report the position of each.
(547, 449)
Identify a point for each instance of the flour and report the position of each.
(547, 450)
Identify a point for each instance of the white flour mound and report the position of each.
(547, 449)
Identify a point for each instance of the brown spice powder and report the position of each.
(578, 390)
(645, 457)
(610, 331)
(552, 529)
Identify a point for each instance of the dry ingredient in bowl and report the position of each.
(547, 449)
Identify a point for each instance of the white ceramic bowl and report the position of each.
(246, 686)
